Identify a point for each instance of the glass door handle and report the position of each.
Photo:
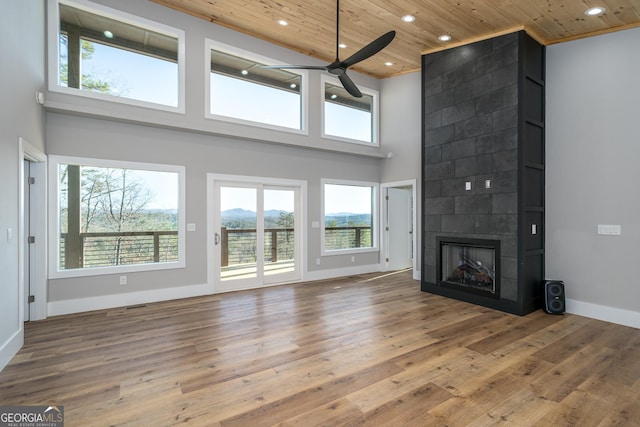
(217, 239)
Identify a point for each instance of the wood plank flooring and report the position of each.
(360, 350)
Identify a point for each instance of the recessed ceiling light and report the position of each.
(595, 11)
(408, 18)
(283, 22)
(444, 38)
(108, 34)
(388, 64)
(244, 72)
(342, 45)
(334, 96)
(293, 85)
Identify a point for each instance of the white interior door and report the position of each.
(25, 238)
(399, 228)
(256, 238)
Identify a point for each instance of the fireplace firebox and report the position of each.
(469, 265)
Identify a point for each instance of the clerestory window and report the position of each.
(347, 118)
(114, 216)
(103, 53)
(241, 90)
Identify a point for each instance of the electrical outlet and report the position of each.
(609, 230)
(123, 280)
(317, 261)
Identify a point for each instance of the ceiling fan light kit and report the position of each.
(339, 68)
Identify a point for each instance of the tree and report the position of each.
(286, 246)
(89, 82)
(112, 201)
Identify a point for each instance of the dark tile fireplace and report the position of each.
(469, 265)
(483, 174)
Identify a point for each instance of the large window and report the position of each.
(107, 54)
(349, 216)
(242, 90)
(115, 215)
(348, 118)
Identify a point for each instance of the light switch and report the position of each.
(467, 185)
(191, 227)
(534, 229)
(9, 234)
(487, 183)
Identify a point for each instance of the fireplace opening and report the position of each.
(470, 265)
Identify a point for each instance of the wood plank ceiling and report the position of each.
(311, 24)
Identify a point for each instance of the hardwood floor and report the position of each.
(361, 350)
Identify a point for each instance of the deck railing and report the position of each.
(103, 249)
(239, 244)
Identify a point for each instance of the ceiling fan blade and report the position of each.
(295, 67)
(349, 85)
(371, 49)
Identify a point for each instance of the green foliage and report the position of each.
(89, 82)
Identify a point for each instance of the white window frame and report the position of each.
(232, 50)
(54, 217)
(53, 66)
(375, 194)
(375, 117)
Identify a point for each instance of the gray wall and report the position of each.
(21, 74)
(86, 128)
(197, 30)
(592, 175)
(400, 126)
(201, 154)
(400, 132)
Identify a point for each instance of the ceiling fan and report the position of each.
(339, 68)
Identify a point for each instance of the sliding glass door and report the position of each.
(256, 239)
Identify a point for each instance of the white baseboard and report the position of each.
(603, 312)
(56, 308)
(11, 347)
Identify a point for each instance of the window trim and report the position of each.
(232, 50)
(375, 192)
(375, 125)
(54, 217)
(53, 62)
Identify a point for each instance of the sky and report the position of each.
(338, 199)
(246, 198)
(163, 186)
(129, 74)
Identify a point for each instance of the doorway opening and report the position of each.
(399, 225)
(32, 246)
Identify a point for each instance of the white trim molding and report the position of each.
(602, 312)
(11, 347)
(102, 302)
